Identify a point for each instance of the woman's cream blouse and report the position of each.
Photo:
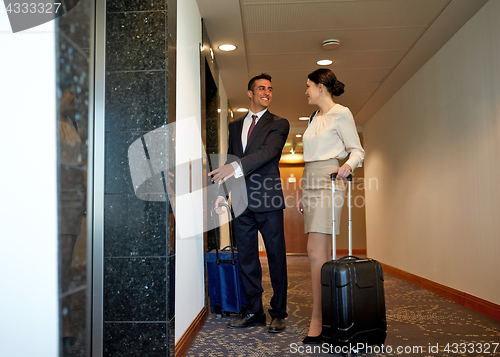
(333, 136)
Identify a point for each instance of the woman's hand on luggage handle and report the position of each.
(300, 208)
(342, 172)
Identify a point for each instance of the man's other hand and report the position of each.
(218, 209)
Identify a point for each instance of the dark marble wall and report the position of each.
(139, 254)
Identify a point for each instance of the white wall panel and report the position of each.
(190, 279)
(434, 149)
(28, 203)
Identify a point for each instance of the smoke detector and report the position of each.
(330, 44)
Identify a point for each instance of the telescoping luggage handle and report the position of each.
(333, 177)
(231, 243)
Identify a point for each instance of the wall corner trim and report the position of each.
(472, 302)
(184, 343)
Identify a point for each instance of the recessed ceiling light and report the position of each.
(304, 118)
(242, 110)
(219, 110)
(298, 136)
(324, 62)
(227, 47)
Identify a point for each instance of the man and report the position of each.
(257, 140)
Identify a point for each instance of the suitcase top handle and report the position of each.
(349, 257)
(334, 177)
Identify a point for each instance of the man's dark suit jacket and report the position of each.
(259, 163)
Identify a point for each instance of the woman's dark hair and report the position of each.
(328, 79)
(65, 83)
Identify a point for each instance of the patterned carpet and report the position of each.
(420, 323)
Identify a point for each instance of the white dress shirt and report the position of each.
(238, 172)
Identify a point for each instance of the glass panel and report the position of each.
(73, 54)
(211, 137)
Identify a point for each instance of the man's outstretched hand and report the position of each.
(222, 174)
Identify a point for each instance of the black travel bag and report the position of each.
(352, 296)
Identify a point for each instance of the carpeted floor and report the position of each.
(420, 323)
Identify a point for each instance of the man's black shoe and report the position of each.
(277, 325)
(248, 320)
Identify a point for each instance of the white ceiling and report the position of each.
(383, 43)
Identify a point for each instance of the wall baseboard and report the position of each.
(470, 301)
(182, 346)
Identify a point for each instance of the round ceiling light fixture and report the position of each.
(304, 118)
(324, 62)
(242, 110)
(330, 44)
(227, 47)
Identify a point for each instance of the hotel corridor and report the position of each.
(419, 323)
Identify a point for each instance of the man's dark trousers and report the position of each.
(246, 228)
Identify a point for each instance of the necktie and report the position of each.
(254, 118)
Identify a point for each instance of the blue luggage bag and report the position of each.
(225, 289)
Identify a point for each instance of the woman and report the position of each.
(330, 136)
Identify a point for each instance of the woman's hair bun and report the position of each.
(338, 88)
(328, 79)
